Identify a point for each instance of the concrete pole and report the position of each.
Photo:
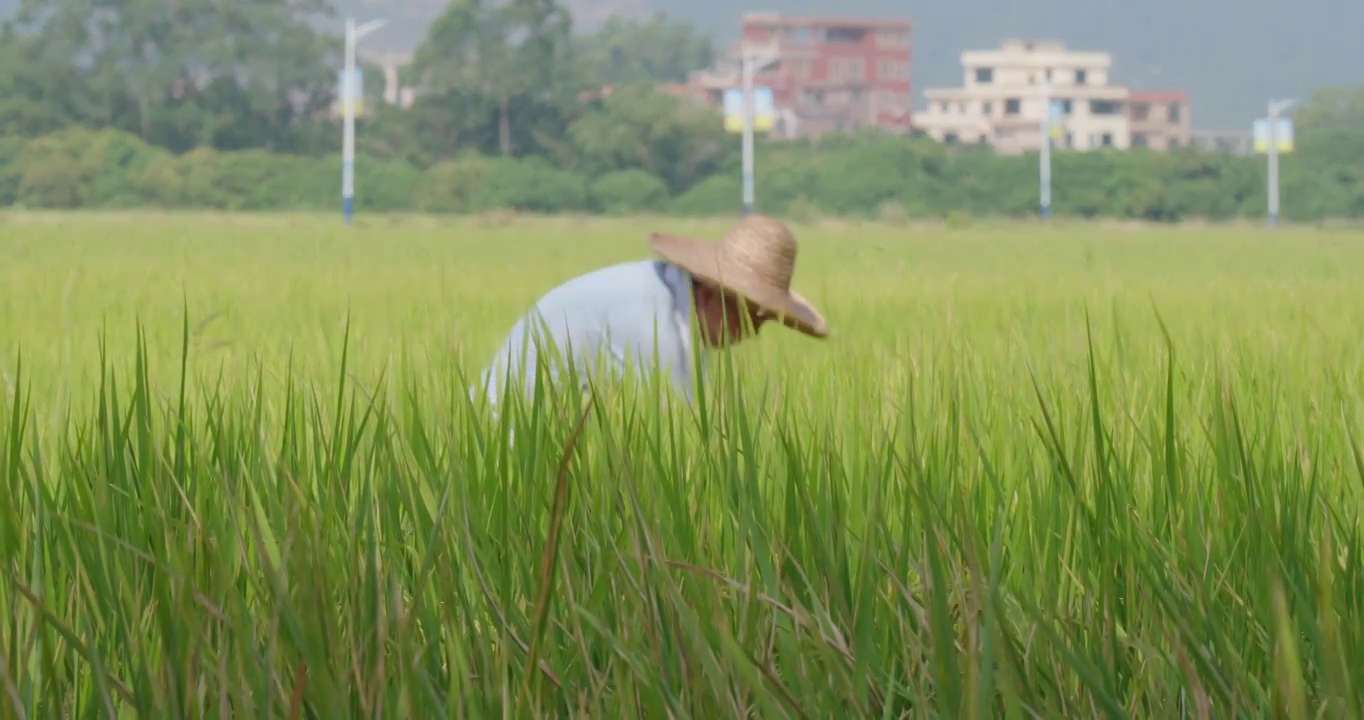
(1276, 109)
(1044, 159)
(348, 127)
(353, 35)
(747, 71)
(749, 64)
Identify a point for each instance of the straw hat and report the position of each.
(755, 259)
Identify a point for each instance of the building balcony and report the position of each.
(1014, 122)
(997, 92)
(1156, 125)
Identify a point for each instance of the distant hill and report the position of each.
(1231, 55)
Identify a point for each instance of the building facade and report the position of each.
(391, 62)
(1003, 100)
(826, 73)
(1159, 120)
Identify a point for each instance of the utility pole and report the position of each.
(1044, 159)
(750, 63)
(348, 94)
(1276, 109)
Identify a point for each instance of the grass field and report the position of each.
(1034, 472)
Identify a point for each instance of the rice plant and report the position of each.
(1111, 494)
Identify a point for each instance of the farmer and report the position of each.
(729, 288)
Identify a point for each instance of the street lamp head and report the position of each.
(369, 27)
(756, 58)
(1279, 106)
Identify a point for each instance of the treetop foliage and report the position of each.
(226, 104)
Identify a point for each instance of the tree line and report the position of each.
(219, 104)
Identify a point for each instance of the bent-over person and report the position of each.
(642, 314)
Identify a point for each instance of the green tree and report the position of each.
(514, 57)
(657, 50)
(1331, 107)
(198, 72)
(38, 95)
(637, 127)
(1329, 129)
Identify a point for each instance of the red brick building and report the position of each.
(828, 73)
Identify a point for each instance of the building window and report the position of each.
(950, 138)
(1081, 77)
(846, 69)
(1174, 113)
(1139, 140)
(844, 35)
(987, 108)
(1070, 140)
(1104, 107)
(1141, 111)
(889, 69)
(1048, 74)
(1107, 140)
(985, 76)
(1012, 106)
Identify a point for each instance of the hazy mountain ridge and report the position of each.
(1230, 55)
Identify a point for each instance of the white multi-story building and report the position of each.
(1003, 100)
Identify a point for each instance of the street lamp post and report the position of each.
(750, 62)
(1044, 157)
(1276, 108)
(353, 35)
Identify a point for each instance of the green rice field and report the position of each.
(1035, 472)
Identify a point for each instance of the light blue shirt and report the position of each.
(634, 315)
